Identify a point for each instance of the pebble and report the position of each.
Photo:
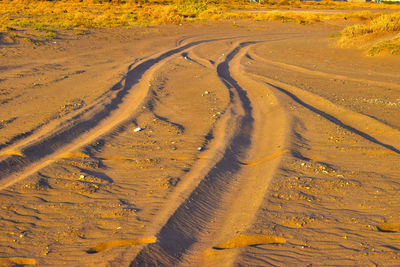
(200, 148)
(205, 93)
(138, 129)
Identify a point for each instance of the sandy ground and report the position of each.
(252, 144)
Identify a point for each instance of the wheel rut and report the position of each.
(225, 201)
(203, 196)
(323, 74)
(192, 217)
(362, 125)
(39, 150)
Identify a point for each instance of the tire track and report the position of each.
(214, 209)
(259, 164)
(39, 147)
(192, 217)
(86, 128)
(211, 188)
(253, 55)
(364, 126)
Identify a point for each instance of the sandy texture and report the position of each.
(251, 144)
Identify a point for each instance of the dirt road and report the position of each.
(202, 145)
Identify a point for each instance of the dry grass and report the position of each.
(70, 14)
(47, 15)
(382, 32)
(299, 17)
(391, 46)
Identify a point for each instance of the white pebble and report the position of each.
(138, 129)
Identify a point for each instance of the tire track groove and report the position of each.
(322, 74)
(193, 216)
(364, 126)
(91, 126)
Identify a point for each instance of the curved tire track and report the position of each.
(85, 128)
(191, 218)
(362, 125)
(323, 74)
(214, 209)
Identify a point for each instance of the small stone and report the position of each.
(138, 129)
(206, 92)
(200, 148)
(82, 177)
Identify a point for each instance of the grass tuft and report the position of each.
(391, 47)
(382, 32)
